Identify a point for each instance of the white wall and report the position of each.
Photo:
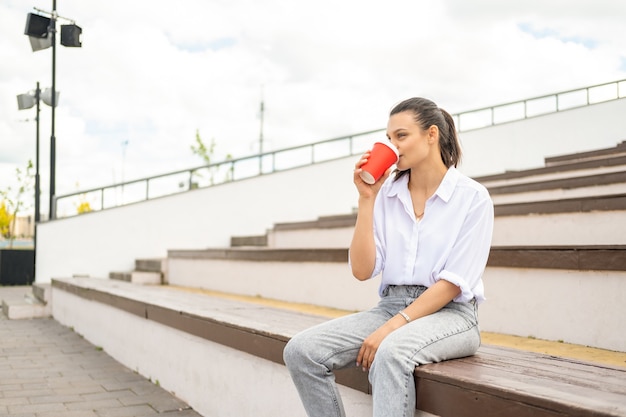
(110, 240)
(100, 242)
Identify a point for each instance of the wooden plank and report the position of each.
(444, 400)
(576, 258)
(570, 205)
(564, 387)
(565, 183)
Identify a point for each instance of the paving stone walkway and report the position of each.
(47, 370)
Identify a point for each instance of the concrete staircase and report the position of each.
(146, 272)
(557, 271)
(559, 243)
(25, 302)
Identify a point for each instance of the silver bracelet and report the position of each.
(406, 316)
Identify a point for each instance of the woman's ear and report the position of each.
(433, 134)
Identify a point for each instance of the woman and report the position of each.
(428, 232)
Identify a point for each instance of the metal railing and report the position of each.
(538, 106)
(148, 188)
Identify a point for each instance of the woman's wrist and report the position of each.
(404, 316)
(366, 201)
(396, 322)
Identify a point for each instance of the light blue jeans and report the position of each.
(312, 355)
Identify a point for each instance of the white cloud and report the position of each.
(150, 72)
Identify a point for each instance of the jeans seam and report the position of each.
(332, 384)
(323, 359)
(439, 339)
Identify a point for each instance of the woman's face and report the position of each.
(408, 137)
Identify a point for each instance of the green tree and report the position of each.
(207, 153)
(200, 149)
(12, 201)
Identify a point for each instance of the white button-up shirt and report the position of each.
(451, 241)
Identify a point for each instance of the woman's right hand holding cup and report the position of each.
(365, 189)
(374, 167)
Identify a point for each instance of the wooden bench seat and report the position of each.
(495, 382)
(506, 382)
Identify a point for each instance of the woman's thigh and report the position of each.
(336, 343)
(450, 333)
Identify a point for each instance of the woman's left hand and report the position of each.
(370, 345)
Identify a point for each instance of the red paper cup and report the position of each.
(382, 156)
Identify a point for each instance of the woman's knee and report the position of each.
(295, 350)
(389, 353)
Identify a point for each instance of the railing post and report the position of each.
(525, 109)
(102, 198)
(556, 96)
(147, 189)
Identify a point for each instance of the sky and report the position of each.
(151, 73)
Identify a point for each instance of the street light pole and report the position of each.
(37, 184)
(27, 101)
(40, 29)
(53, 32)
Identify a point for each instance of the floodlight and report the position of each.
(46, 97)
(25, 101)
(70, 35)
(37, 26)
(37, 44)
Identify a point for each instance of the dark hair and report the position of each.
(427, 114)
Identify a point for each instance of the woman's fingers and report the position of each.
(363, 160)
(365, 358)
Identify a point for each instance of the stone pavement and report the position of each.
(47, 370)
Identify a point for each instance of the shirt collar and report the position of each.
(444, 191)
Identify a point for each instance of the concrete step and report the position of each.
(26, 302)
(243, 241)
(42, 292)
(146, 278)
(26, 308)
(151, 265)
(120, 276)
(149, 271)
(138, 277)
